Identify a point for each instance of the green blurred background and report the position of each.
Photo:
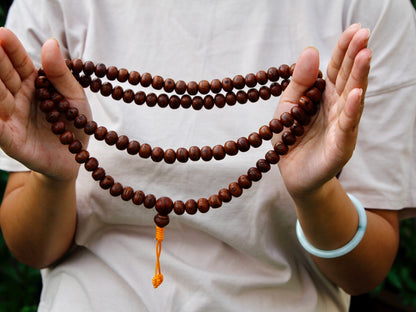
(20, 285)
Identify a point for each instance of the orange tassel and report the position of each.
(158, 279)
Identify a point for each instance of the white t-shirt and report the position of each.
(245, 255)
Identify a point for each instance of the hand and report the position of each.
(330, 139)
(24, 133)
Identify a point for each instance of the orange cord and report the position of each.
(158, 279)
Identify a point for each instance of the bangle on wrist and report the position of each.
(362, 225)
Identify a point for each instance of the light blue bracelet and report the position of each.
(362, 225)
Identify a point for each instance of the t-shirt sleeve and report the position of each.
(382, 170)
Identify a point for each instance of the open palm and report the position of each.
(330, 139)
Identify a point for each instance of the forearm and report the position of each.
(38, 218)
(329, 221)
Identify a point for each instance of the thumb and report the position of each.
(58, 73)
(304, 76)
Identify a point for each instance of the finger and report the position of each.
(7, 103)
(17, 55)
(359, 73)
(358, 43)
(304, 76)
(58, 73)
(350, 115)
(339, 52)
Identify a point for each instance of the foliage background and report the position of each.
(20, 285)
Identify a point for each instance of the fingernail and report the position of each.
(57, 42)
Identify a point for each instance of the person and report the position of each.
(97, 252)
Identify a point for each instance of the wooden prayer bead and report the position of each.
(280, 148)
(106, 89)
(58, 127)
(203, 205)
(140, 98)
(180, 87)
(71, 113)
(91, 164)
(286, 119)
(112, 73)
(224, 195)
(133, 147)
(209, 102)
(241, 97)
(264, 93)
(134, 78)
(84, 81)
(192, 87)
(306, 104)
(239, 82)
(284, 84)
(138, 197)
(297, 129)
(164, 205)
(206, 153)
(288, 138)
(261, 77)
(100, 70)
(122, 142)
(43, 94)
(53, 116)
(98, 174)
(272, 157)
(145, 150)
(191, 206)
(251, 80)
(179, 207)
(300, 115)
(151, 100)
(146, 79)
(186, 101)
(204, 87)
(253, 95)
(265, 133)
(174, 102)
(254, 174)
(128, 96)
(197, 103)
(275, 125)
(158, 82)
(123, 75)
(219, 100)
(127, 193)
(244, 181)
(107, 182)
(157, 154)
(182, 154)
(42, 82)
(149, 201)
(169, 85)
(255, 139)
(77, 66)
(163, 100)
(67, 137)
(100, 133)
(320, 84)
(216, 86)
(46, 106)
(111, 137)
(284, 71)
(262, 165)
(75, 147)
(116, 189)
(218, 152)
(170, 156)
(227, 84)
(194, 153)
(275, 89)
(62, 106)
(314, 94)
(161, 221)
(243, 144)
(273, 74)
(82, 157)
(231, 148)
(235, 189)
(88, 68)
(230, 98)
(214, 201)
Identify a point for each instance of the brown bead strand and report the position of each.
(55, 105)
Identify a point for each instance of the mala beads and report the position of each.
(219, 93)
